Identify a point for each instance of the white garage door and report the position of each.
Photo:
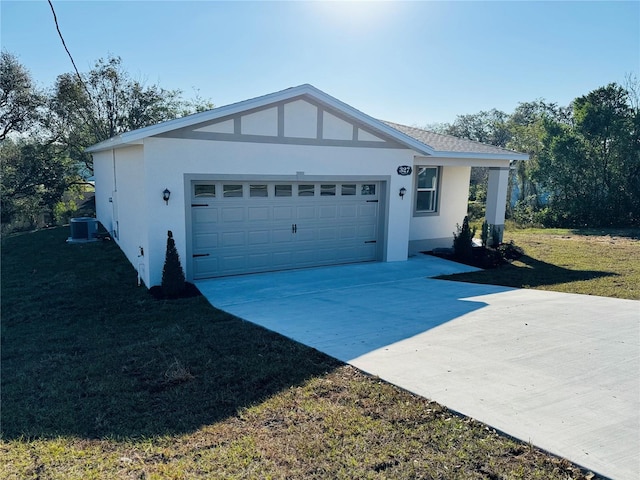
(247, 227)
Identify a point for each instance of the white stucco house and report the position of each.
(292, 179)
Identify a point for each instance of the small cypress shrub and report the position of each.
(495, 237)
(463, 241)
(173, 281)
(484, 236)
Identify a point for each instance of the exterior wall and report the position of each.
(120, 204)
(436, 230)
(172, 163)
(103, 173)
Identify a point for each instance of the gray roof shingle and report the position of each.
(448, 143)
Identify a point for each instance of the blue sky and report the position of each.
(412, 62)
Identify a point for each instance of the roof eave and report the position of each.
(483, 156)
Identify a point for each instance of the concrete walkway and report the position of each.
(561, 371)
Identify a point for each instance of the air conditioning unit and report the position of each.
(83, 229)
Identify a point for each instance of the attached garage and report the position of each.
(247, 227)
(293, 179)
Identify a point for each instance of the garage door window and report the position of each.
(283, 190)
(368, 189)
(306, 190)
(348, 189)
(327, 190)
(205, 190)
(232, 190)
(258, 191)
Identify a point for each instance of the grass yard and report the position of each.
(100, 380)
(591, 262)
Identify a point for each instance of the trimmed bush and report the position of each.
(173, 281)
(463, 241)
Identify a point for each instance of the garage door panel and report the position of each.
(329, 211)
(367, 231)
(348, 232)
(233, 239)
(304, 235)
(260, 237)
(258, 261)
(233, 214)
(282, 235)
(305, 213)
(282, 259)
(205, 267)
(305, 257)
(327, 233)
(206, 241)
(233, 263)
(326, 255)
(257, 214)
(283, 213)
(348, 211)
(202, 216)
(369, 210)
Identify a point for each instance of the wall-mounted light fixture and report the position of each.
(402, 192)
(165, 195)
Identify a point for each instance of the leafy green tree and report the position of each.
(488, 127)
(591, 165)
(107, 101)
(34, 178)
(526, 126)
(20, 101)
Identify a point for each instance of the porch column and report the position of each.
(497, 198)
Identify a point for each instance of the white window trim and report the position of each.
(436, 211)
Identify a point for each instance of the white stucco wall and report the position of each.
(168, 161)
(103, 173)
(436, 230)
(120, 177)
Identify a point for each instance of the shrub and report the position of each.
(463, 241)
(510, 251)
(475, 210)
(173, 281)
(484, 236)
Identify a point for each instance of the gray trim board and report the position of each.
(281, 120)
(188, 134)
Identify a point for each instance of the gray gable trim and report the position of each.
(231, 137)
(192, 133)
(305, 91)
(420, 141)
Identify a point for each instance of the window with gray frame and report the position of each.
(427, 179)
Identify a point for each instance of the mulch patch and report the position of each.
(190, 291)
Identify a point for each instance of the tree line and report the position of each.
(584, 168)
(44, 133)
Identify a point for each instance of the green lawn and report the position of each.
(99, 380)
(591, 262)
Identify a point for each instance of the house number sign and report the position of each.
(404, 170)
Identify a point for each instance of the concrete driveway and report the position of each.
(561, 371)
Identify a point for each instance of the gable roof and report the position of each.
(413, 138)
